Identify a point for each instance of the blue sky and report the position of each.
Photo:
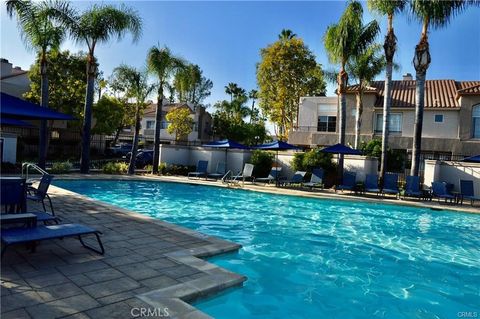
(225, 38)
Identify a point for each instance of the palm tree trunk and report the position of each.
(87, 117)
(421, 62)
(158, 126)
(131, 165)
(358, 117)
(389, 47)
(43, 133)
(253, 110)
(117, 135)
(342, 85)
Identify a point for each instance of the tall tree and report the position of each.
(163, 63)
(286, 34)
(286, 72)
(190, 84)
(389, 8)
(137, 88)
(253, 95)
(342, 41)
(364, 67)
(180, 122)
(432, 14)
(40, 34)
(98, 24)
(231, 89)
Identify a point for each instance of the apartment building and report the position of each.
(202, 123)
(451, 124)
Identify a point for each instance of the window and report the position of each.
(395, 125)
(164, 125)
(476, 121)
(150, 125)
(438, 118)
(327, 124)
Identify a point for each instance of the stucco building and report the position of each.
(451, 124)
(202, 123)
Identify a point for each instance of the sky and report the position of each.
(225, 38)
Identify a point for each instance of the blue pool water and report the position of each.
(312, 258)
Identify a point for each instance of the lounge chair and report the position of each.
(13, 198)
(40, 193)
(13, 195)
(273, 176)
(439, 190)
(219, 172)
(467, 192)
(349, 182)
(316, 180)
(390, 184)
(246, 174)
(412, 187)
(14, 236)
(201, 170)
(371, 184)
(297, 179)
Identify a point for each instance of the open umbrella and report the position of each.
(341, 149)
(14, 122)
(472, 159)
(226, 144)
(15, 108)
(277, 146)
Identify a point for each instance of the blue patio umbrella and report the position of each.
(472, 159)
(277, 146)
(15, 108)
(341, 149)
(226, 144)
(14, 122)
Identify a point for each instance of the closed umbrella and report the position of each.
(277, 146)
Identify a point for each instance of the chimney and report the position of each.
(407, 77)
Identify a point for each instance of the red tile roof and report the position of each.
(438, 93)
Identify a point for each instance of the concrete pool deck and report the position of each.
(149, 264)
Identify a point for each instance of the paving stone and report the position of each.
(158, 282)
(161, 263)
(124, 260)
(114, 311)
(103, 274)
(20, 300)
(82, 267)
(111, 287)
(138, 271)
(46, 280)
(62, 307)
(81, 280)
(16, 314)
(59, 291)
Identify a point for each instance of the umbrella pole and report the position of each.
(276, 175)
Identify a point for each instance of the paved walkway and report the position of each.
(150, 267)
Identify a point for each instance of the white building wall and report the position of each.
(9, 152)
(452, 172)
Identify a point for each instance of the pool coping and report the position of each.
(175, 298)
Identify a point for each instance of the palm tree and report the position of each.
(163, 63)
(286, 34)
(253, 95)
(342, 41)
(364, 67)
(231, 89)
(388, 8)
(435, 14)
(40, 34)
(137, 88)
(98, 24)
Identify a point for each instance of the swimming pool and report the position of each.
(313, 258)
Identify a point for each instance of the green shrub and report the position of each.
(175, 169)
(162, 168)
(313, 159)
(396, 159)
(61, 167)
(262, 161)
(115, 168)
(148, 169)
